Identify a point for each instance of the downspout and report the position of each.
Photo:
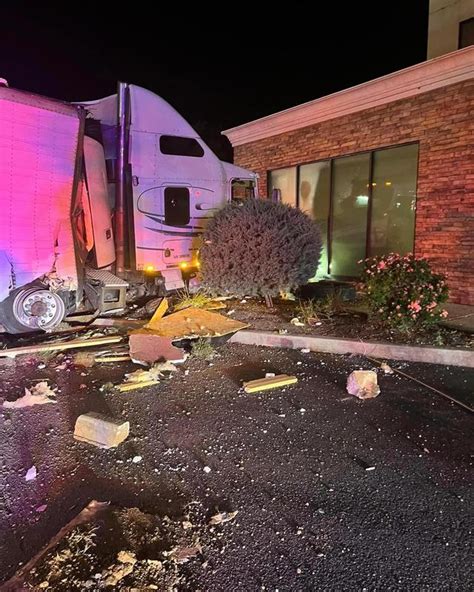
(121, 163)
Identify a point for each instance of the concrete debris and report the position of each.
(115, 573)
(222, 517)
(31, 474)
(263, 384)
(207, 469)
(386, 368)
(363, 384)
(100, 430)
(183, 554)
(41, 508)
(296, 322)
(142, 378)
(86, 359)
(137, 459)
(39, 394)
(305, 350)
(149, 347)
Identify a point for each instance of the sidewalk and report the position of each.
(460, 317)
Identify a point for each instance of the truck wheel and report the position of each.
(32, 309)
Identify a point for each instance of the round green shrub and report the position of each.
(259, 248)
(403, 292)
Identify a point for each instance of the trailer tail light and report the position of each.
(183, 265)
(149, 269)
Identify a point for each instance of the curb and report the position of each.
(408, 353)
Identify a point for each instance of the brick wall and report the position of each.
(442, 121)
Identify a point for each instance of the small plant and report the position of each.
(313, 311)
(202, 349)
(196, 300)
(403, 292)
(260, 248)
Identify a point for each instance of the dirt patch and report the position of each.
(125, 547)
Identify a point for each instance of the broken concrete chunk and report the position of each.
(263, 384)
(363, 384)
(386, 368)
(31, 474)
(222, 517)
(100, 430)
(149, 347)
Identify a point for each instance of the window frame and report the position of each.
(194, 141)
(331, 160)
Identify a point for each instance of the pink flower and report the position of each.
(414, 306)
(444, 314)
(382, 265)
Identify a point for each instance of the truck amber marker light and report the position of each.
(183, 265)
(149, 269)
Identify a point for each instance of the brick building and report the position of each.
(386, 166)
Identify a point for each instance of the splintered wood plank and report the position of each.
(263, 384)
(58, 346)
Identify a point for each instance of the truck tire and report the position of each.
(31, 309)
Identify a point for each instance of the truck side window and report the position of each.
(179, 146)
(177, 206)
(242, 189)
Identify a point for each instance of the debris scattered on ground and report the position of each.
(31, 474)
(106, 547)
(58, 346)
(41, 508)
(112, 358)
(137, 459)
(195, 322)
(39, 394)
(100, 430)
(149, 347)
(296, 322)
(183, 554)
(116, 572)
(270, 375)
(207, 469)
(386, 368)
(305, 350)
(362, 463)
(84, 358)
(222, 517)
(363, 384)
(143, 378)
(262, 384)
(160, 310)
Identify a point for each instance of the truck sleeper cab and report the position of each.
(102, 200)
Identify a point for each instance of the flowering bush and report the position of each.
(403, 292)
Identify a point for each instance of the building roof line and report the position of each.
(436, 73)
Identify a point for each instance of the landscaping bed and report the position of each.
(350, 322)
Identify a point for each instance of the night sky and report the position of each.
(218, 69)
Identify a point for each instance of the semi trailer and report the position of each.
(101, 202)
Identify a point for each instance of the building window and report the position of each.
(349, 204)
(364, 204)
(177, 206)
(466, 33)
(179, 146)
(314, 194)
(283, 181)
(392, 220)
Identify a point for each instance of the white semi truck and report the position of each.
(100, 201)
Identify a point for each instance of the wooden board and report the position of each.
(52, 346)
(263, 384)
